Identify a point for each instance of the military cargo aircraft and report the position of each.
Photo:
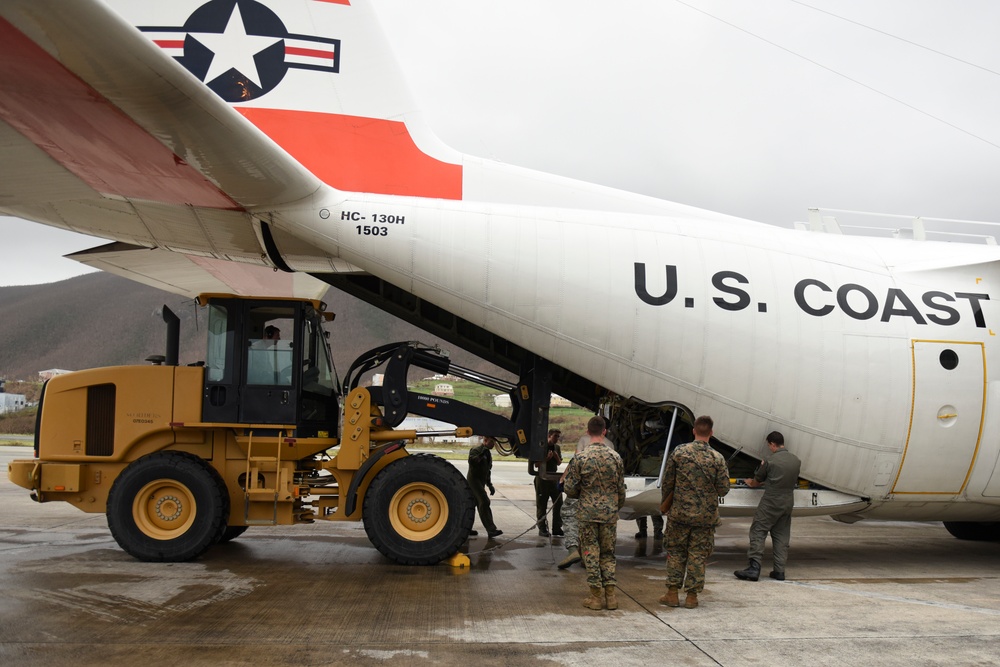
(244, 145)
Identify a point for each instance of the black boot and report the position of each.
(752, 573)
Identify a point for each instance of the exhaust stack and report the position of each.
(173, 336)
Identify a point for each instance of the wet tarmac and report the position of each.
(868, 593)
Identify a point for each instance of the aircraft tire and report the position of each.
(167, 507)
(418, 510)
(979, 531)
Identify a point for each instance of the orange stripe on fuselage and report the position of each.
(359, 154)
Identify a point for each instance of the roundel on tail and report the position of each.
(236, 47)
(241, 49)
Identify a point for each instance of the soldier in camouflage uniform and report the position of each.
(596, 478)
(571, 530)
(697, 475)
(569, 508)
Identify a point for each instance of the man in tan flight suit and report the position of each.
(779, 475)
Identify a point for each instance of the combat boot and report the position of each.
(670, 599)
(572, 557)
(596, 599)
(780, 576)
(751, 573)
(611, 597)
(691, 601)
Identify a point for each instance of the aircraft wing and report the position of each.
(191, 275)
(104, 134)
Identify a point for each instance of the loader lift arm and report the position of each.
(525, 430)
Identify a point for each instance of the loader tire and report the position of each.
(167, 507)
(231, 533)
(418, 510)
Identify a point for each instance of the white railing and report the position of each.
(863, 223)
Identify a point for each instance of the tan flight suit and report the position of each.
(780, 475)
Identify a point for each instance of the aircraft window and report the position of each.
(949, 359)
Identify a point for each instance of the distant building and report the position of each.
(12, 403)
(558, 401)
(443, 389)
(51, 373)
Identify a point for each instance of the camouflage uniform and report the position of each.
(569, 507)
(479, 477)
(698, 476)
(569, 525)
(597, 478)
(780, 474)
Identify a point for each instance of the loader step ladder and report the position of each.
(255, 489)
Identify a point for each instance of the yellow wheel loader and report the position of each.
(262, 433)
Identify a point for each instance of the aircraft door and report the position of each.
(989, 450)
(946, 419)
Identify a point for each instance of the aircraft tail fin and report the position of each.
(319, 78)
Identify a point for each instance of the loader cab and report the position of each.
(268, 362)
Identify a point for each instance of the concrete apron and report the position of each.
(869, 593)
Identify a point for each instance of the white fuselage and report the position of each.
(868, 354)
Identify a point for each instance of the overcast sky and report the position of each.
(759, 110)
